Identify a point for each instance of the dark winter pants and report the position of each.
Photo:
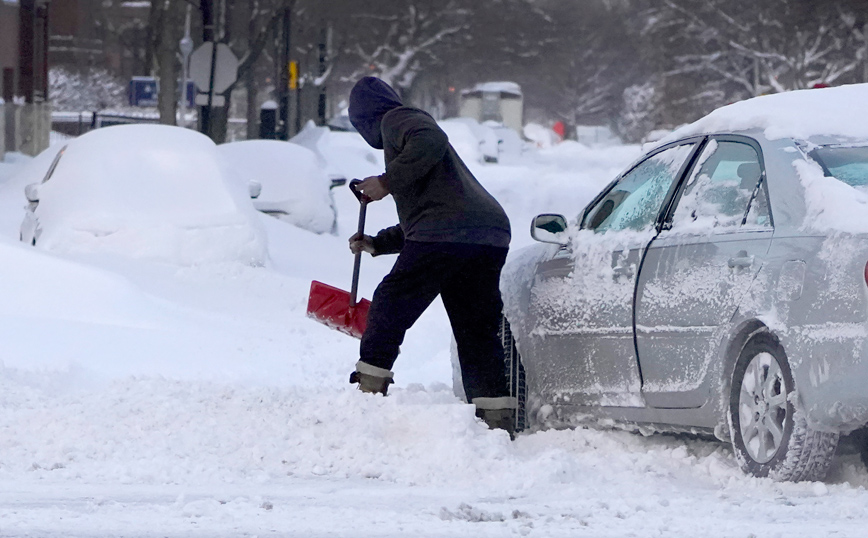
(467, 277)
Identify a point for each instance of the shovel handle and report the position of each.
(363, 201)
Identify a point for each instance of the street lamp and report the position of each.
(186, 46)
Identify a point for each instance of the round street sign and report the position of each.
(225, 72)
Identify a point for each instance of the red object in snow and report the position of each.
(559, 129)
(335, 307)
(332, 306)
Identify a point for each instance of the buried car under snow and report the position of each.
(294, 184)
(719, 284)
(145, 191)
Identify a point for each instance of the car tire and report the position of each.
(770, 436)
(515, 374)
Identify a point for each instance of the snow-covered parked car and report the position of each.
(718, 285)
(294, 184)
(486, 138)
(145, 191)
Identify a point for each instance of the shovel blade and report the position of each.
(331, 306)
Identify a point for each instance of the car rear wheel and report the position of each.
(515, 374)
(769, 434)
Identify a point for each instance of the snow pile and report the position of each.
(831, 204)
(797, 114)
(542, 137)
(294, 186)
(147, 191)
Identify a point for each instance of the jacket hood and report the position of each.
(370, 100)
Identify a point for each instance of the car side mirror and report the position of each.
(550, 228)
(254, 188)
(32, 192)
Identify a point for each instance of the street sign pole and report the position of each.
(208, 34)
(186, 46)
(285, 77)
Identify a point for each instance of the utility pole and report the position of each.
(323, 59)
(285, 76)
(33, 76)
(186, 46)
(26, 49)
(209, 33)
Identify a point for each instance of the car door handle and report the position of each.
(740, 261)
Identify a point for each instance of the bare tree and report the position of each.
(396, 42)
(767, 46)
(166, 23)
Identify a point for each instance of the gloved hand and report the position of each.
(362, 243)
(373, 187)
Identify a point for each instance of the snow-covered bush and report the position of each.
(639, 115)
(92, 89)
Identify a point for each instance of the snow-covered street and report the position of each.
(150, 399)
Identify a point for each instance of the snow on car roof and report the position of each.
(148, 191)
(511, 88)
(800, 114)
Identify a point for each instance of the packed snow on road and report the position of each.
(164, 397)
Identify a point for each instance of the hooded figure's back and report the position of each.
(370, 99)
(437, 197)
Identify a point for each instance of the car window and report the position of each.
(51, 168)
(723, 186)
(848, 164)
(636, 200)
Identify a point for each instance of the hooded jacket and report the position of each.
(437, 197)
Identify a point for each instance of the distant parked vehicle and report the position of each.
(484, 136)
(719, 285)
(149, 191)
(294, 185)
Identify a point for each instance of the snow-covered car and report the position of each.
(486, 138)
(718, 285)
(144, 191)
(294, 184)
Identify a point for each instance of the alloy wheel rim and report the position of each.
(762, 407)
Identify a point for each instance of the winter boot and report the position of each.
(371, 379)
(498, 413)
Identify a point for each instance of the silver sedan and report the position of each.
(695, 294)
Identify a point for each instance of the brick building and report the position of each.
(98, 33)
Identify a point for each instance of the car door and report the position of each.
(698, 269)
(581, 303)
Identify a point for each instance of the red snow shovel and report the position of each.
(337, 308)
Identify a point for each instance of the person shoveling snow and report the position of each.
(452, 241)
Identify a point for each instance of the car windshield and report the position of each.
(846, 163)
